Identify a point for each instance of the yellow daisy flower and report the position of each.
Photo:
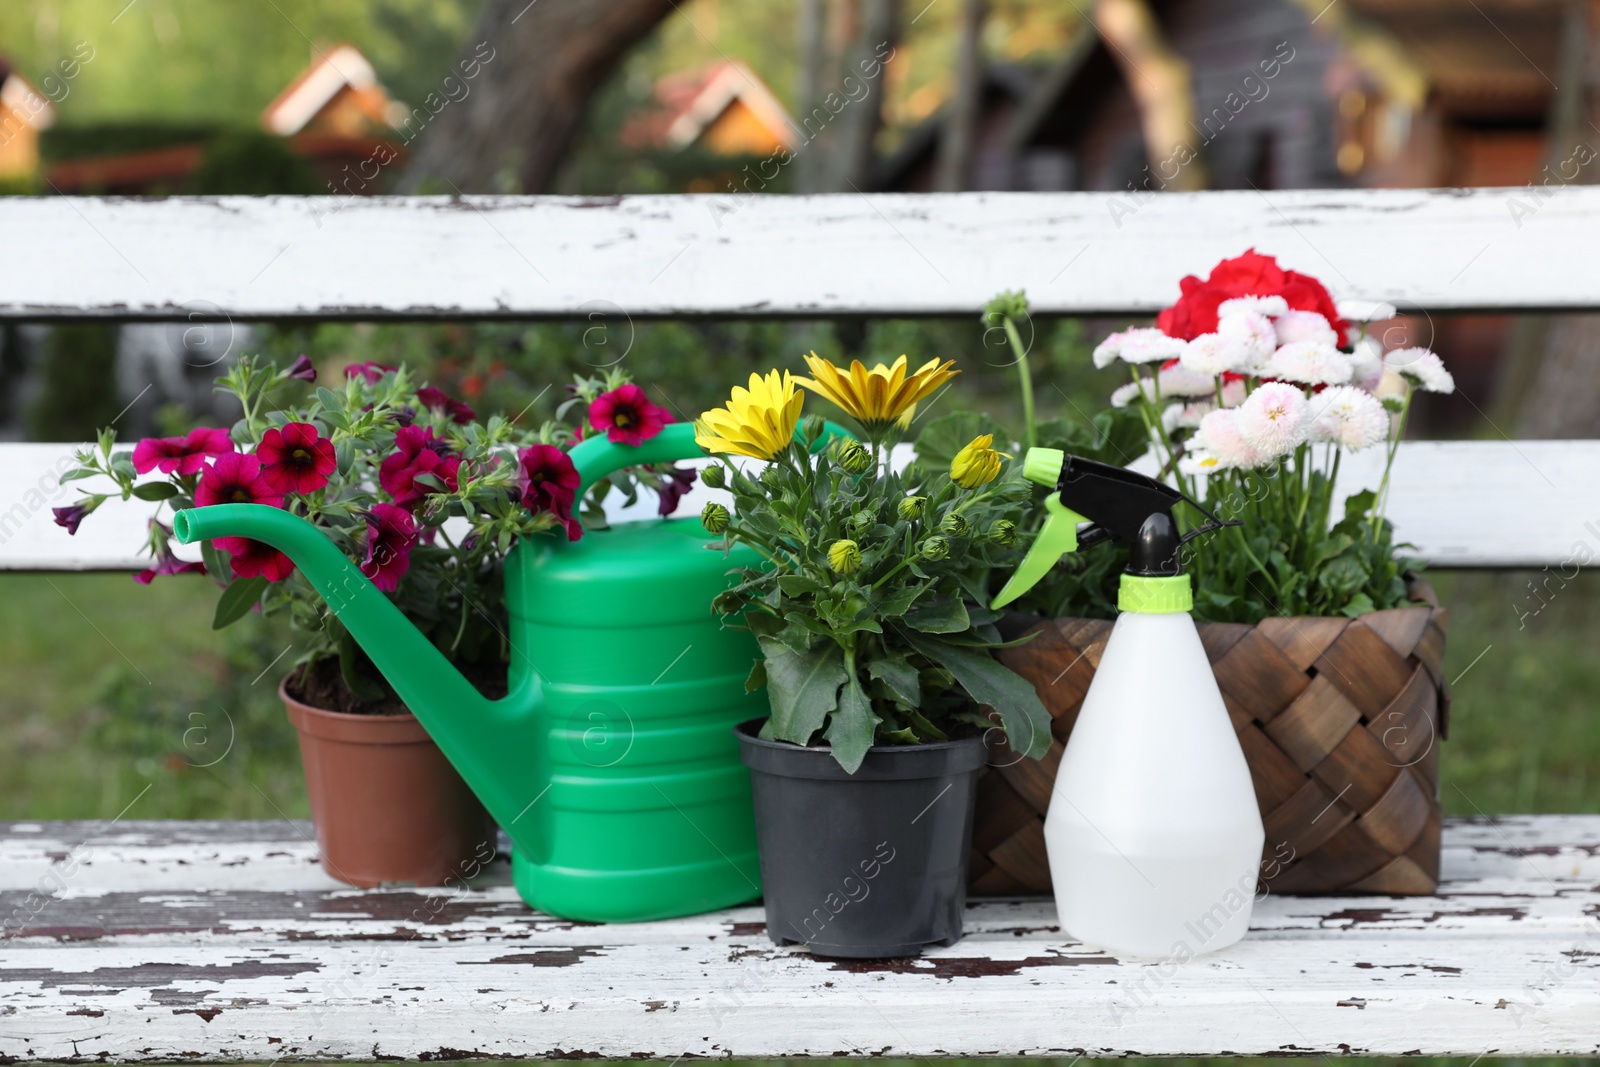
(757, 422)
(880, 396)
(976, 464)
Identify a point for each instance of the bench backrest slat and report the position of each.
(655, 256)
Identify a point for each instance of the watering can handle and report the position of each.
(597, 457)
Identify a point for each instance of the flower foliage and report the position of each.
(870, 606)
(1259, 389)
(414, 487)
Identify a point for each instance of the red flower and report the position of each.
(372, 372)
(435, 400)
(166, 562)
(550, 483)
(181, 455)
(391, 535)
(416, 452)
(69, 517)
(627, 416)
(1251, 274)
(236, 479)
(678, 481)
(296, 459)
(303, 369)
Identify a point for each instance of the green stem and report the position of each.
(1025, 379)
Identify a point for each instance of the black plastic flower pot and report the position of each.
(869, 865)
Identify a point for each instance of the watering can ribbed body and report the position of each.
(612, 762)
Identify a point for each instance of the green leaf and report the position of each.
(899, 602)
(944, 616)
(986, 681)
(155, 491)
(216, 563)
(330, 400)
(852, 726)
(358, 681)
(938, 444)
(76, 473)
(1359, 505)
(237, 600)
(758, 677)
(799, 585)
(803, 688)
(900, 677)
(432, 481)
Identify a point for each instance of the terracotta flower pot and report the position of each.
(387, 806)
(1340, 721)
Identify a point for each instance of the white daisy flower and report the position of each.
(1149, 345)
(1123, 395)
(1254, 333)
(1423, 367)
(1310, 363)
(1305, 326)
(1107, 351)
(1185, 416)
(1180, 381)
(1219, 436)
(1233, 393)
(1274, 419)
(1212, 354)
(1199, 461)
(1365, 310)
(1366, 364)
(1269, 306)
(1350, 417)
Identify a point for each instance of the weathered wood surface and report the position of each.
(1461, 503)
(224, 941)
(1427, 251)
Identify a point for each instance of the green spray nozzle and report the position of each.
(1116, 502)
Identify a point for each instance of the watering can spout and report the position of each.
(465, 724)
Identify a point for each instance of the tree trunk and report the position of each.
(1552, 376)
(539, 65)
(849, 141)
(808, 90)
(959, 139)
(1159, 80)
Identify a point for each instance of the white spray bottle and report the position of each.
(1153, 835)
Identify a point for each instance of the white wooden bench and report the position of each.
(209, 941)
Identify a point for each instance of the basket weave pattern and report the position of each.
(1339, 720)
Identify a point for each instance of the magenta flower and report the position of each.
(436, 400)
(372, 372)
(303, 369)
(236, 479)
(417, 451)
(70, 517)
(181, 455)
(550, 483)
(166, 562)
(678, 481)
(627, 416)
(296, 459)
(391, 535)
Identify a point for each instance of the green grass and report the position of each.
(112, 686)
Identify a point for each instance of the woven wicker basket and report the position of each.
(1339, 719)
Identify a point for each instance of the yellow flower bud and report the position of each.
(912, 507)
(844, 556)
(852, 456)
(977, 464)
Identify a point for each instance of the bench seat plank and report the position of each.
(225, 941)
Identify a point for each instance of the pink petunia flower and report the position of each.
(678, 481)
(391, 535)
(181, 455)
(416, 452)
(436, 400)
(627, 416)
(303, 369)
(371, 372)
(236, 479)
(296, 459)
(550, 483)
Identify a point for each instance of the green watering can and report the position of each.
(612, 762)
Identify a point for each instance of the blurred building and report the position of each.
(24, 111)
(335, 115)
(723, 109)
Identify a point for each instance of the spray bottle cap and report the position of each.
(1115, 502)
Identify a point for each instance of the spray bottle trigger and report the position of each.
(1057, 537)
